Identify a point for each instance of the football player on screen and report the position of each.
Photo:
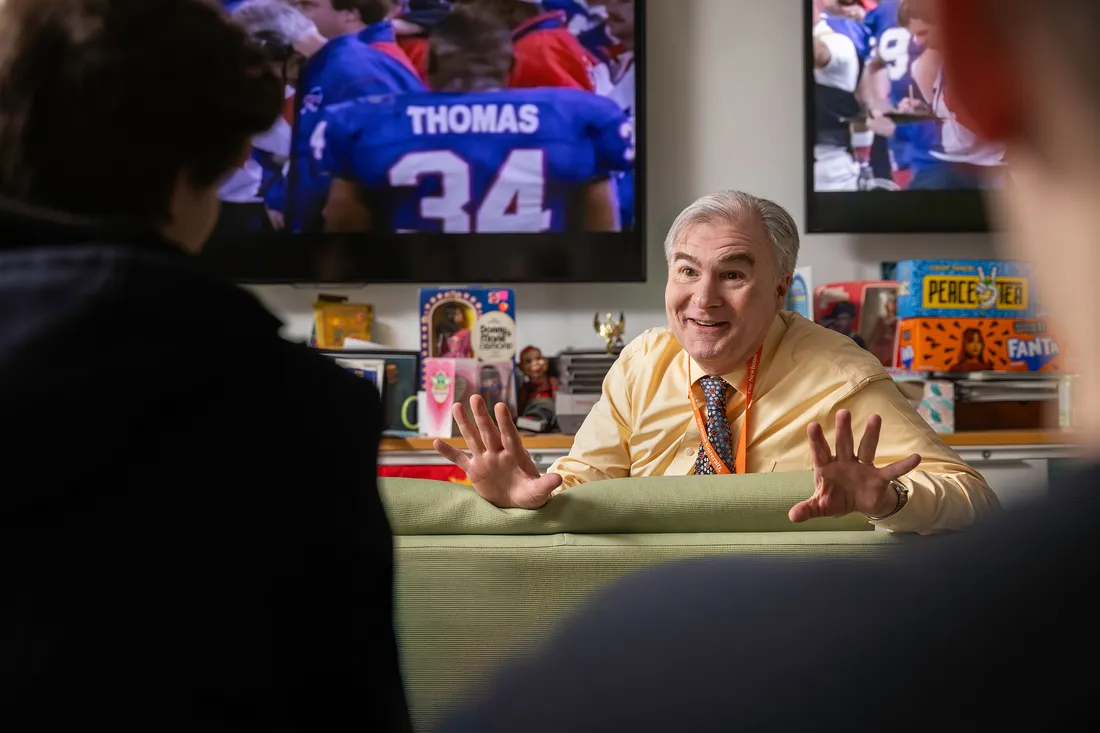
(412, 21)
(474, 157)
(611, 43)
(547, 54)
(964, 160)
(842, 148)
(332, 71)
(368, 19)
(889, 82)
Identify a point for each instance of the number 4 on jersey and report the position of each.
(513, 202)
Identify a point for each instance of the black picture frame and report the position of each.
(399, 384)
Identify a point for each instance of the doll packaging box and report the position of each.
(468, 323)
(966, 289)
(476, 329)
(980, 344)
(454, 381)
(864, 310)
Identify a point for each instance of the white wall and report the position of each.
(725, 111)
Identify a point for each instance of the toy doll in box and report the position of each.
(451, 326)
(467, 323)
(865, 311)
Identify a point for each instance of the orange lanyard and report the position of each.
(740, 460)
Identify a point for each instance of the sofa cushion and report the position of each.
(652, 505)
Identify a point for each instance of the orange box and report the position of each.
(978, 344)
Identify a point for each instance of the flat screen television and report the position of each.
(454, 172)
(885, 149)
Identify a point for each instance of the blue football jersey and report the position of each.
(346, 68)
(856, 31)
(498, 161)
(911, 144)
(896, 48)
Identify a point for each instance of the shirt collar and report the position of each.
(737, 377)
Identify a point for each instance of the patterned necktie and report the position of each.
(718, 427)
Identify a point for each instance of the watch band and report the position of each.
(903, 497)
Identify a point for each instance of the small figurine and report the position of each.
(452, 339)
(611, 332)
(536, 396)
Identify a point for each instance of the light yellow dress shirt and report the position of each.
(643, 425)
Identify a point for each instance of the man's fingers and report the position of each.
(845, 443)
(819, 447)
(868, 444)
(469, 431)
(541, 490)
(452, 454)
(899, 468)
(490, 435)
(809, 509)
(509, 435)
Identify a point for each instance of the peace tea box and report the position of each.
(966, 289)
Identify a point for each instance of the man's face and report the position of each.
(926, 34)
(723, 292)
(331, 23)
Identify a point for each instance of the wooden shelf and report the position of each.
(1011, 438)
(981, 438)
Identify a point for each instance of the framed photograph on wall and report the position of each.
(396, 375)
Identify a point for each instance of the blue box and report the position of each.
(468, 323)
(966, 289)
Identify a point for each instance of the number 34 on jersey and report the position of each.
(494, 176)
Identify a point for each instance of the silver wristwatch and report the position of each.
(903, 497)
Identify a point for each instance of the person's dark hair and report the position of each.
(512, 12)
(370, 11)
(910, 10)
(844, 308)
(105, 103)
(479, 43)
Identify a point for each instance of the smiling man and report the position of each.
(736, 385)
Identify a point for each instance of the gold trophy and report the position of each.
(611, 332)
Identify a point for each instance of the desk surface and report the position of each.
(1004, 438)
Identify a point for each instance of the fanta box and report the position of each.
(966, 289)
(979, 345)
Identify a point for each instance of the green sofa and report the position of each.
(476, 585)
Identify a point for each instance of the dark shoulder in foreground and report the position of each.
(982, 630)
(190, 497)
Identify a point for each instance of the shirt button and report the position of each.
(688, 452)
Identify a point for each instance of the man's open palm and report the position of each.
(848, 481)
(498, 465)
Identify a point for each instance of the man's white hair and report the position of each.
(730, 207)
(277, 17)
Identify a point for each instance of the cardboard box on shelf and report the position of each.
(979, 344)
(966, 289)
